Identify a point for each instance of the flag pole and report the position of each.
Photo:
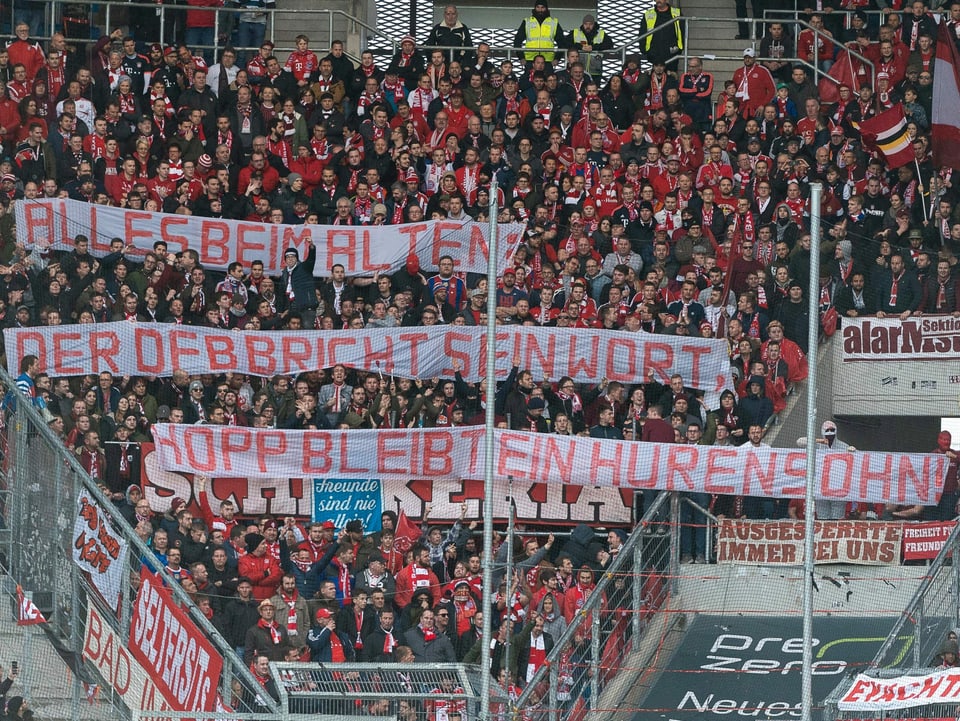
(923, 201)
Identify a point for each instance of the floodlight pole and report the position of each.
(813, 325)
(489, 455)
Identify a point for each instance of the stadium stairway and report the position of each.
(714, 41)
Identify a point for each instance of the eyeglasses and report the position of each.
(563, 317)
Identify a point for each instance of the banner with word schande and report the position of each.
(889, 694)
(776, 543)
(533, 502)
(875, 476)
(889, 367)
(124, 348)
(98, 549)
(181, 661)
(362, 250)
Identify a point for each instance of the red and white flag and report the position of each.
(27, 614)
(887, 134)
(945, 120)
(406, 534)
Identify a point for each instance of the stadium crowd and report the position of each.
(649, 206)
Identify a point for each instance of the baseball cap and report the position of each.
(324, 613)
(829, 428)
(749, 53)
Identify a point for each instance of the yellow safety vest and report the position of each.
(650, 16)
(593, 63)
(540, 37)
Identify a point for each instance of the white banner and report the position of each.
(124, 348)
(362, 250)
(123, 674)
(98, 549)
(874, 477)
(888, 694)
(532, 502)
(897, 385)
(928, 337)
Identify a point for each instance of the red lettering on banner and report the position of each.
(215, 242)
(333, 344)
(629, 353)
(108, 352)
(443, 233)
(368, 265)
(514, 455)
(171, 234)
(132, 230)
(695, 352)
(271, 444)
(437, 452)
(261, 354)
(586, 365)
(41, 224)
(658, 357)
(909, 474)
(884, 475)
(387, 452)
(299, 237)
(681, 460)
(558, 460)
(316, 454)
(716, 471)
(342, 248)
(201, 452)
(477, 249)
(221, 355)
(795, 466)
(183, 343)
(141, 335)
(464, 356)
(298, 352)
(412, 231)
(382, 358)
(653, 479)
(235, 440)
(414, 339)
(253, 239)
(544, 358)
(600, 463)
(765, 477)
(844, 462)
(66, 349)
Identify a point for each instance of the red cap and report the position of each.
(328, 524)
(413, 264)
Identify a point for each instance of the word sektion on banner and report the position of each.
(874, 477)
(362, 250)
(889, 694)
(175, 653)
(923, 338)
(124, 348)
(98, 549)
(770, 543)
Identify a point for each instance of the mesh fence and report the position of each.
(83, 658)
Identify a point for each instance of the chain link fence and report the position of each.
(91, 665)
(913, 646)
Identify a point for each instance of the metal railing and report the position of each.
(44, 481)
(589, 653)
(913, 643)
(813, 66)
